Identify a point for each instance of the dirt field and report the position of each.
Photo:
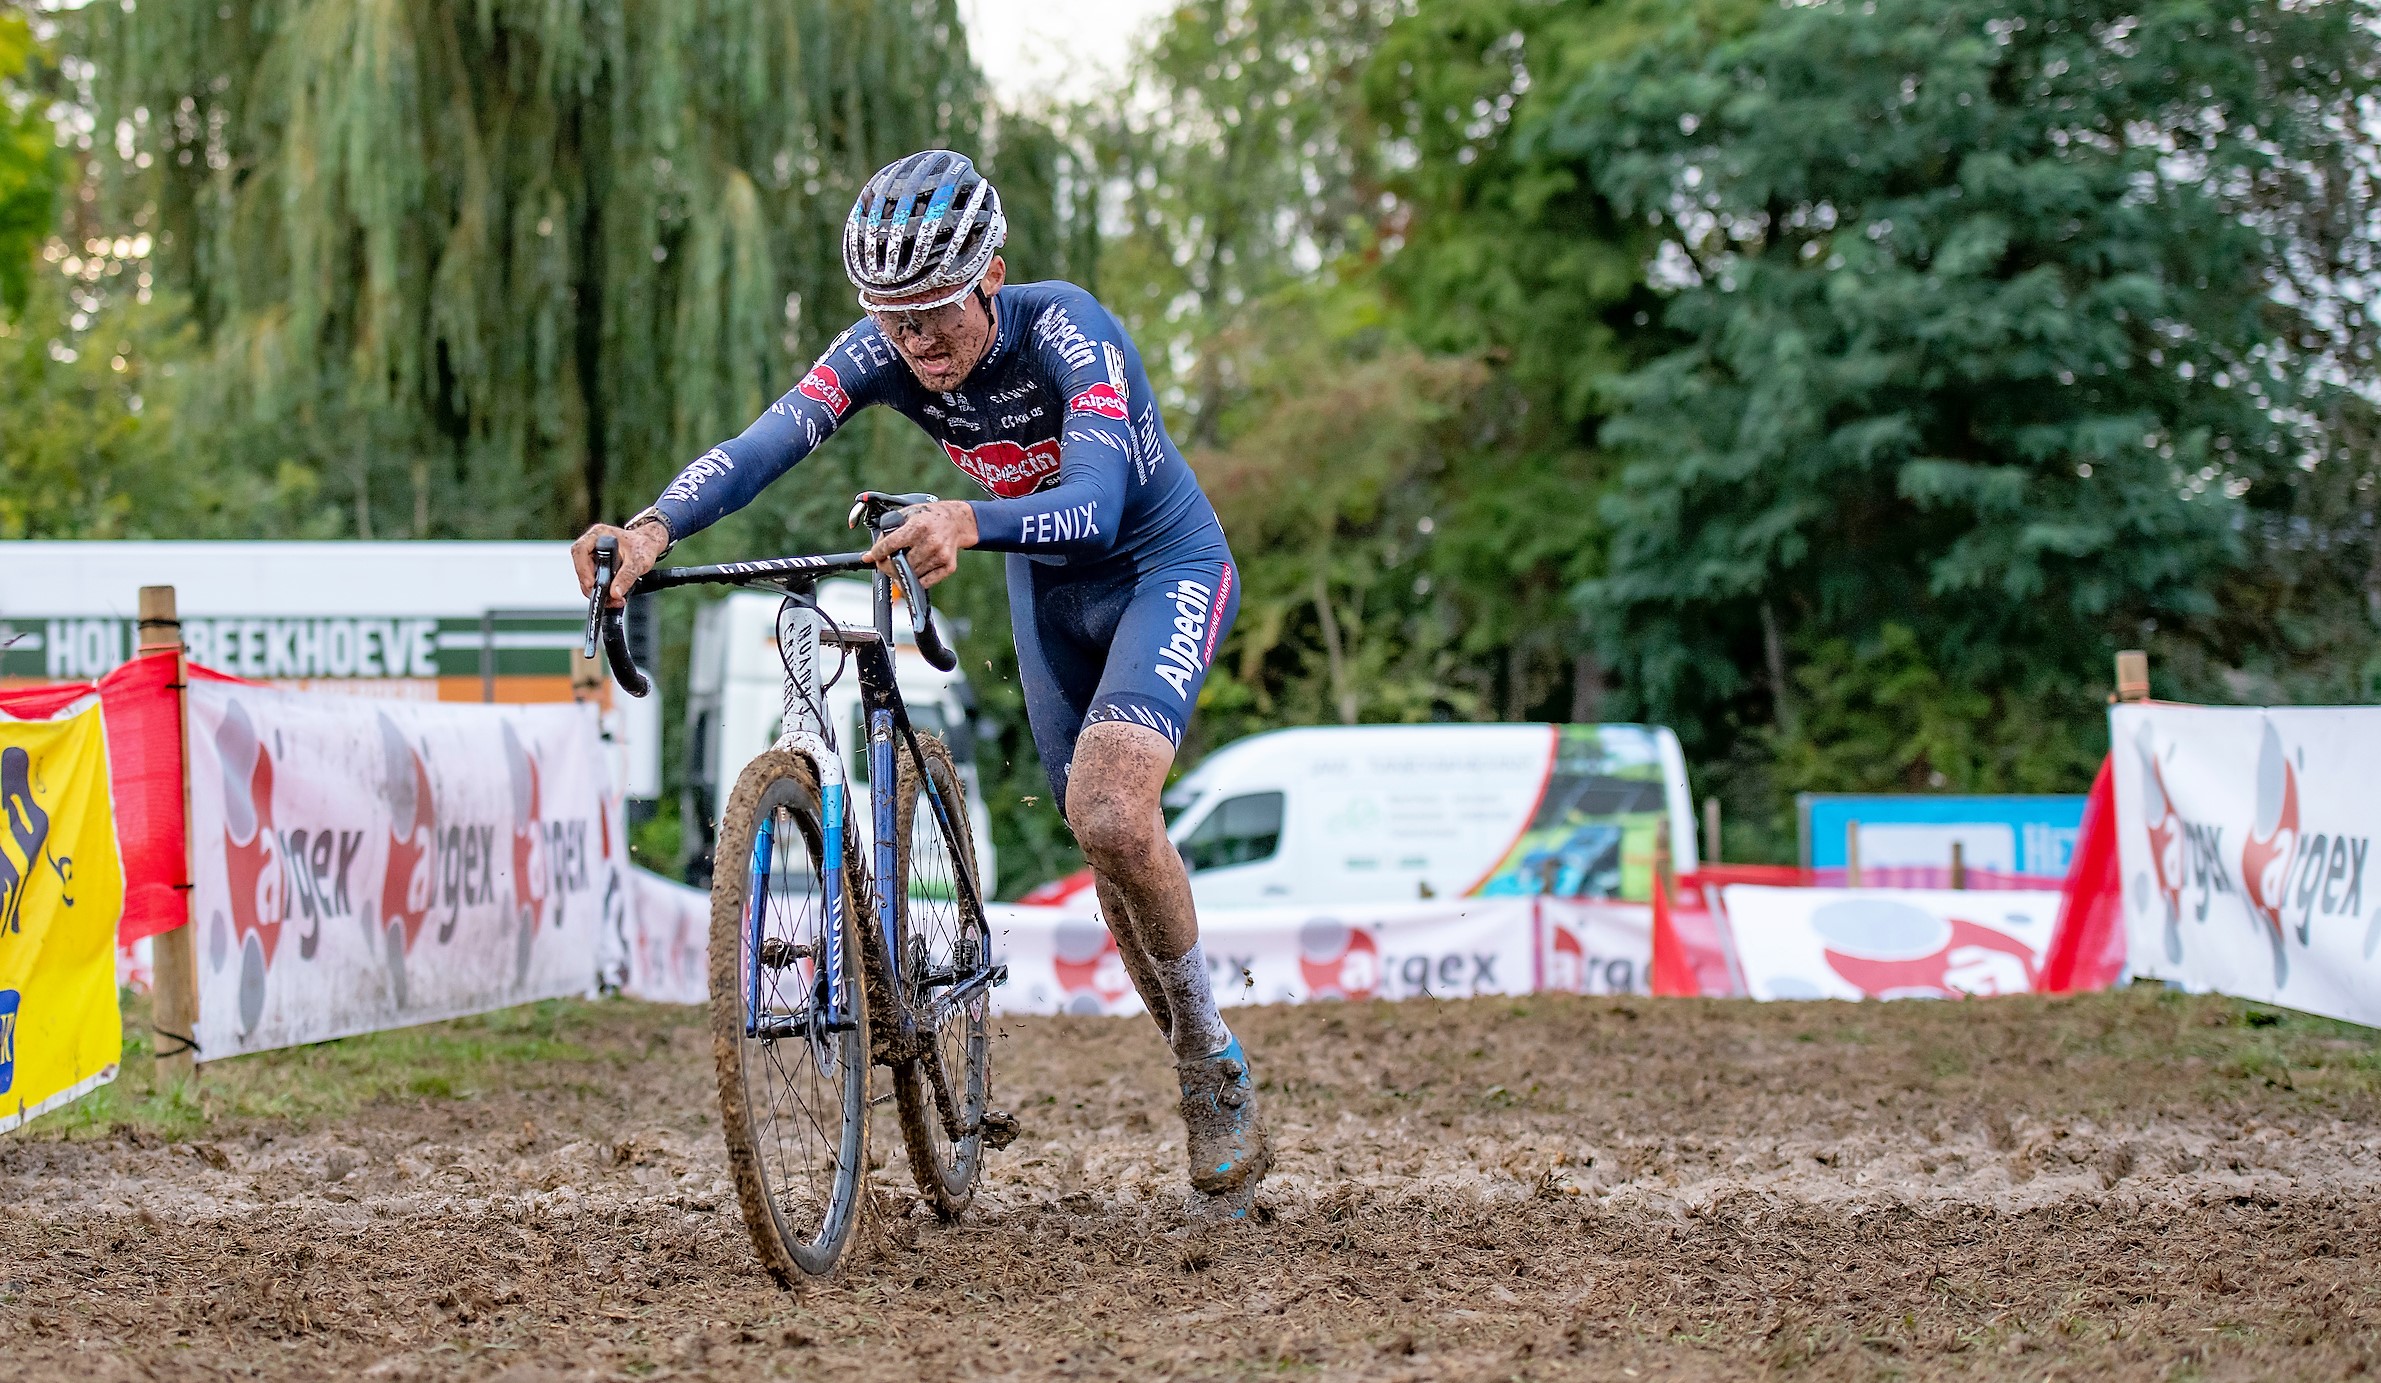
(2132, 1186)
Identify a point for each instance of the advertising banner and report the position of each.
(1874, 943)
(2007, 841)
(364, 865)
(2243, 835)
(1062, 962)
(61, 888)
(662, 951)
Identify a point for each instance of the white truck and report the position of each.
(1337, 815)
(735, 705)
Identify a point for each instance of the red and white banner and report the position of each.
(372, 864)
(662, 951)
(1062, 961)
(2244, 835)
(1861, 943)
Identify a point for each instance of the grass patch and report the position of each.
(554, 1042)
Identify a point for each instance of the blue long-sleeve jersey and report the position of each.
(1057, 422)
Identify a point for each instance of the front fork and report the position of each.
(834, 886)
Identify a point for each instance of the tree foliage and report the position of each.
(504, 266)
(29, 168)
(1987, 353)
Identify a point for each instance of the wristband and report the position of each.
(651, 514)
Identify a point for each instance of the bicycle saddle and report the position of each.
(873, 506)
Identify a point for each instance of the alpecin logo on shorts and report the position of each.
(1192, 646)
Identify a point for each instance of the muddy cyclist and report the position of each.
(1121, 585)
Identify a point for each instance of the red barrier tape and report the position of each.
(142, 713)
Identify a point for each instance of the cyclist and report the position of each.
(1120, 582)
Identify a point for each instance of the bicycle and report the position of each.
(799, 1012)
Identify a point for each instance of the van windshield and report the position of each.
(1241, 830)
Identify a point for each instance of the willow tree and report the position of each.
(499, 265)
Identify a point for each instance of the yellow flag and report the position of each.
(61, 892)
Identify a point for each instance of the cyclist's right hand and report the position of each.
(640, 548)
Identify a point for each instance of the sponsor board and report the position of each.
(661, 950)
(61, 890)
(363, 865)
(1065, 961)
(2244, 839)
(1874, 943)
(406, 658)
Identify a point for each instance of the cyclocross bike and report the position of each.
(803, 1003)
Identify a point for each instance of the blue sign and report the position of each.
(8, 1039)
(2006, 834)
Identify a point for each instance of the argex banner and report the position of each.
(1063, 962)
(2244, 835)
(363, 865)
(1879, 943)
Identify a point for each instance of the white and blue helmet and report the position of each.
(922, 233)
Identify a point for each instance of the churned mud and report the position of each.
(2121, 1186)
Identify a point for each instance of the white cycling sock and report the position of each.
(1199, 1029)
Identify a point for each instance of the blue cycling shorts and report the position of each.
(1129, 645)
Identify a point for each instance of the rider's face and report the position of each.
(942, 345)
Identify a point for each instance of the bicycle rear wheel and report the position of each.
(942, 1093)
(789, 1023)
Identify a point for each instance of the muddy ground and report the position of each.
(2121, 1186)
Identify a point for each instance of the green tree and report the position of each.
(1990, 356)
(29, 165)
(498, 269)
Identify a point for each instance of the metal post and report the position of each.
(1959, 865)
(173, 996)
(1851, 854)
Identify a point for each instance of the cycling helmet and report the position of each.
(926, 224)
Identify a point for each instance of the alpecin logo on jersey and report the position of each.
(1102, 399)
(1006, 469)
(824, 385)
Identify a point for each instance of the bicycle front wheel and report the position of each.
(943, 1092)
(789, 1023)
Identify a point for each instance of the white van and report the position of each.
(1335, 815)
(735, 707)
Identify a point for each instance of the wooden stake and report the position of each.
(1959, 864)
(1711, 829)
(173, 1010)
(2132, 675)
(1851, 854)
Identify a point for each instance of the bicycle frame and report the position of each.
(807, 733)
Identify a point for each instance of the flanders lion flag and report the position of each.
(61, 890)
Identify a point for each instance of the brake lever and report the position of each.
(921, 611)
(610, 628)
(607, 561)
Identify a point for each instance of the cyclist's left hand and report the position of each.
(932, 534)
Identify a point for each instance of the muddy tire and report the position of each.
(793, 1069)
(946, 936)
